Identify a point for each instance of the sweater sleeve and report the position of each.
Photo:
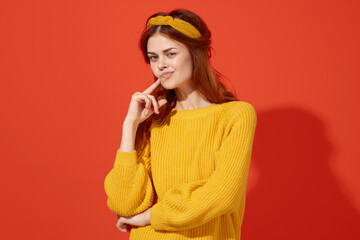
(192, 204)
(129, 185)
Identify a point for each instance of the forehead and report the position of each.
(159, 42)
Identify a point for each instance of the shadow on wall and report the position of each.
(296, 196)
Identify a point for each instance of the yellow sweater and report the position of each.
(194, 176)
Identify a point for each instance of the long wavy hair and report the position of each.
(205, 78)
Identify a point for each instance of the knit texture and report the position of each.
(193, 174)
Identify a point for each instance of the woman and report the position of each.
(182, 166)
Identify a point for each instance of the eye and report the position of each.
(171, 54)
(152, 58)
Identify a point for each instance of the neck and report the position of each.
(188, 99)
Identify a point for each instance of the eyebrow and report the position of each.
(166, 50)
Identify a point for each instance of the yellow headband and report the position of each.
(180, 25)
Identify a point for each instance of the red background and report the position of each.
(68, 69)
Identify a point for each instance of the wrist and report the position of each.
(130, 123)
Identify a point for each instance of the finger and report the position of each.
(155, 103)
(148, 102)
(121, 226)
(125, 228)
(118, 224)
(152, 87)
(142, 98)
(147, 106)
(162, 102)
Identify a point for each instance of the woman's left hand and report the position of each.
(124, 224)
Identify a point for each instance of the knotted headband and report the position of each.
(180, 25)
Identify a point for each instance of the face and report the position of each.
(170, 61)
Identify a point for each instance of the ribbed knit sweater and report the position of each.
(193, 174)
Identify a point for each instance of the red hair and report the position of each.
(206, 80)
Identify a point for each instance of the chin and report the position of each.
(168, 87)
(166, 84)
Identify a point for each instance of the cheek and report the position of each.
(186, 67)
(153, 69)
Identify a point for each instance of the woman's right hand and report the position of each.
(143, 104)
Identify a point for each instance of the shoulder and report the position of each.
(240, 111)
(240, 106)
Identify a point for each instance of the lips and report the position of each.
(166, 74)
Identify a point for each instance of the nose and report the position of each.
(162, 63)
